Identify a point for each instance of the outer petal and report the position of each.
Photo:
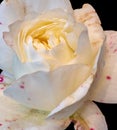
(4, 79)
(6, 57)
(89, 117)
(89, 17)
(11, 11)
(73, 102)
(38, 6)
(20, 69)
(30, 89)
(14, 116)
(104, 87)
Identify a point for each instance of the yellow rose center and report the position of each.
(44, 34)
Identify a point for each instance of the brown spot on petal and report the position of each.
(7, 1)
(53, 118)
(7, 120)
(9, 127)
(0, 124)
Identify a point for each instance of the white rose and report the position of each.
(53, 56)
(50, 60)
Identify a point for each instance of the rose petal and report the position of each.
(11, 11)
(71, 103)
(89, 117)
(30, 89)
(16, 117)
(21, 69)
(6, 57)
(89, 17)
(104, 86)
(78, 41)
(37, 59)
(11, 111)
(6, 53)
(62, 53)
(8, 15)
(38, 6)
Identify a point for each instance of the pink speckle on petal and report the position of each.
(108, 77)
(0, 124)
(1, 78)
(0, 23)
(97, 113)
(92, 129)
(22, 86)
(115, 51)
(2, 88)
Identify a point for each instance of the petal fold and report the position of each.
(72, 102)
(89, 17)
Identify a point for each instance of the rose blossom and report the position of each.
(49, 55)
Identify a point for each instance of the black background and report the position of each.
(107, 11)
